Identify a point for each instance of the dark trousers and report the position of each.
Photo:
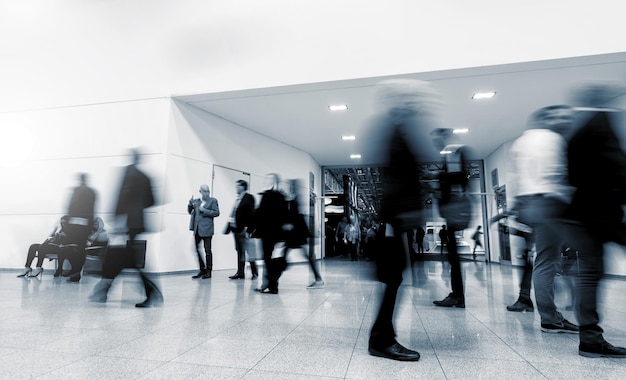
(78, 234)
(543, 215)
(390, 261)
(208, 253)
(456, 277)
(40, 251)
(119, 258)
(273, 267)
(591, 269)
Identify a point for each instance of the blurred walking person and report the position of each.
(597, 170)
(134, 197)
(538, 175)
(399, 140)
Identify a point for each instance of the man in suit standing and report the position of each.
(239, 223)
(202, 211)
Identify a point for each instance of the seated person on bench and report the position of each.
(50, 245)
(58, 243)
(97, 238)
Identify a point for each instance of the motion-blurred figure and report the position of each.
(597, 170)
(455, 207)
(271, 220)
(477, 240)
(419, 239)
(79, 224)
(202, 211)
(298, 236)
(134, 197)
(539, 181)
(240, 224)
(399, 139)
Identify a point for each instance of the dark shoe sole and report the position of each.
(599, 355)
(558, 331)
(381, 354)
(529, 309)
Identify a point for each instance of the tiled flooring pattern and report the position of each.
(222, 329)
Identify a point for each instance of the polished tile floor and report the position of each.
(222, 329)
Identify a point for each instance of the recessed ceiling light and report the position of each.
(355, 156)
(445, 152)
(348, 137)
(460, 130)
(484, 95)
(338, 107)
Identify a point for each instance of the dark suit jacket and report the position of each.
(244, 214)
(597, 169)
(271, 215)
(135, 195)
(201, 221)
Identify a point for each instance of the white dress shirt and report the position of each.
(538, 165)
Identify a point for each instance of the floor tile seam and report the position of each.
(285, 337)
(502, 360)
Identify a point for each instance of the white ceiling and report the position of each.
(298, 115)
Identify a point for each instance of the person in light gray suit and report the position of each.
(202, 211)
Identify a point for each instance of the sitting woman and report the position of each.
(58, 243)
(50, 245)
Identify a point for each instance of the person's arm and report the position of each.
(213, 209)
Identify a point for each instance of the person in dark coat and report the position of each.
(240, 224)
(271, 220)
(80, 220)
(398, 139)
(135, 196)
(597, 170)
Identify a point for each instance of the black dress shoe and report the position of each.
(522, 304)
(267, 291)
(604, 349)
(74, 277)
(451, 301)
(206, 275)
(200, 274)
(395, 352)
(152, 301)
(236, 276)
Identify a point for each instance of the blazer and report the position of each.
(597, 169)
(135, 195)
(201, 221)
(271, 215)
(244, 214)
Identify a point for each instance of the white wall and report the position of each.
(53, 146)
(197, 142)
(180, 146)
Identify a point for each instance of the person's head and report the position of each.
(205, 191)
(479, 227)
(82, 178)
(443, 227)
(599, 94)
(135, 156)
(241, 186)
(557, 118)
(404, 98)
(272, 182)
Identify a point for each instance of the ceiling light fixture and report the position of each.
(355, 156)
(445, 152)
(460, 130)
(338, 107)
(348, 137)
(484, 95)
